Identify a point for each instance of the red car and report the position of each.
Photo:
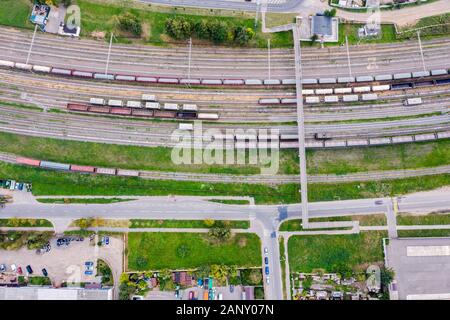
(191, 295)
(19, 270)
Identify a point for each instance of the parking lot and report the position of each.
(422, 267)
(67, 263)
(225, 291)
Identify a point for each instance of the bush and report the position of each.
(243, 35)
(130, 23)
(179, 27)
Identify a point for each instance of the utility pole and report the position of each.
(258, 3)
(421, 51)
(109, 54)
(268, 56)
(31, 45)
(348, 57)
(189, 58)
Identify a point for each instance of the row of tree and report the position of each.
(217, 31)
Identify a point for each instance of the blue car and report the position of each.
(266, 260)
(266, 269)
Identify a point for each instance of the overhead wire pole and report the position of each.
(348, 57)
(31, 45)
(189, 58)
(301, 127)
(421, 51)
(109, 54)
(268, 57)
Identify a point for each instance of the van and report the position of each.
(412, 101)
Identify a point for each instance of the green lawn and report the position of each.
(15, 13)
(82, 200)
(434, 218)
(143, 223)
(19, 222)
(155, 251)
(52, 183)
(230, 201)
(351, 30)
(338, 161)
(364, 220)
(423, 233)
(335, 252)
(97, 16)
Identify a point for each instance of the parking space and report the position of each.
(67, 263)
(226, 293)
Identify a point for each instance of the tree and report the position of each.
(125, 291)
(314, 38)
(243, 35)
(183, 251)
(330, 13)
(255, 276)
(219, 234)
(84, 223)
(179, 27)
(387, 275)
(217, 31)
(219, 272)
(209, 222)
(128, 22)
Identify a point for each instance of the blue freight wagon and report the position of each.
(55, 165)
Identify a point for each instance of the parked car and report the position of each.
(266, 270)
(266, 260)
(231, 288)
(266, 251)
(29, 270)
(220, 296)
(191, 295)
(105, 240)
(268, 280)
(13, 267)
(19, 270)
(62, 241)
(89, 265)
(44, 272)
(378, 202)
(2, 268)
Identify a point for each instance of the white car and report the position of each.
(266, 251)
(268, 280)
(13, 268)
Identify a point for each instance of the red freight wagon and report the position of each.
(29, 162)
(99, 109)
(77, 107)
(82, 168)
(124, 111)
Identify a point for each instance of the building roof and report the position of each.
(47, 293)
(322, 26)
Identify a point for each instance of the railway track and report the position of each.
(49, 92)
(228, 63)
